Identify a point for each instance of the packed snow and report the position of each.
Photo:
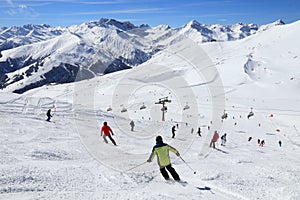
(67, 159)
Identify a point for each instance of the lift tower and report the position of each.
(163, 101)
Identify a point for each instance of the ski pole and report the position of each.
(136, 166)
(188, 165)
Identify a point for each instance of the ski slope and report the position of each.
(67, 159)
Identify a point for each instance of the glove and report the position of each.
(149, 160)
(178, 154)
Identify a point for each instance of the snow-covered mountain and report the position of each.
(36, 55)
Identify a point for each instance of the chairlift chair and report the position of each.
(251, 113)
(142, 107)
(186, 107)
(124, 110)
(164, 108)
(225, 115)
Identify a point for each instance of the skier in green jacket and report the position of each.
(161, 150)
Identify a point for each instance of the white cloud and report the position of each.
(10, 2)
(22, 6)
(20, 10)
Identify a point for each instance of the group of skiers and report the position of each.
(215, 139)
(161, 150)
(173, 130)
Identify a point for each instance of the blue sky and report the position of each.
(153, 12)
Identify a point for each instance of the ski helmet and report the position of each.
(159, 139)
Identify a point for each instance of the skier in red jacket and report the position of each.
(107, 132)
(214, 140)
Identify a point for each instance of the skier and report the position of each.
(262, 143)
(177, 126)
(49, 115)
(107, 132)
(214, 140)
(249, 139)
(132, 125)
(280, 143)
(199, 131)
(161, 150)
(173, 131)
(223, 138)
(258, 142)
(192, 130)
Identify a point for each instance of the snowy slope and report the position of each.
(66, 159)
(32, 54)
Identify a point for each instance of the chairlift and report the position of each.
(124, 110)
(225, 115)
(251, 113)
(142, 107)
(186, 107)
(164, 108)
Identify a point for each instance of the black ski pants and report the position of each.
(109, 136)
(172, 172)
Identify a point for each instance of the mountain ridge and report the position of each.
(29, 53)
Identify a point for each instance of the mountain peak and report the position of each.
(279, 22)
(193, 23)
(106, 22)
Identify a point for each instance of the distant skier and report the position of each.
(223, 138)
(262, 143)
(173, 131)
(177, 126)
(49, 115)
(192, 130)
(249, 139)
(214, 140)
(258, 142)
(199, 131)
(161, 150)
(107, 132)
(280, 143)
(132, 125)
